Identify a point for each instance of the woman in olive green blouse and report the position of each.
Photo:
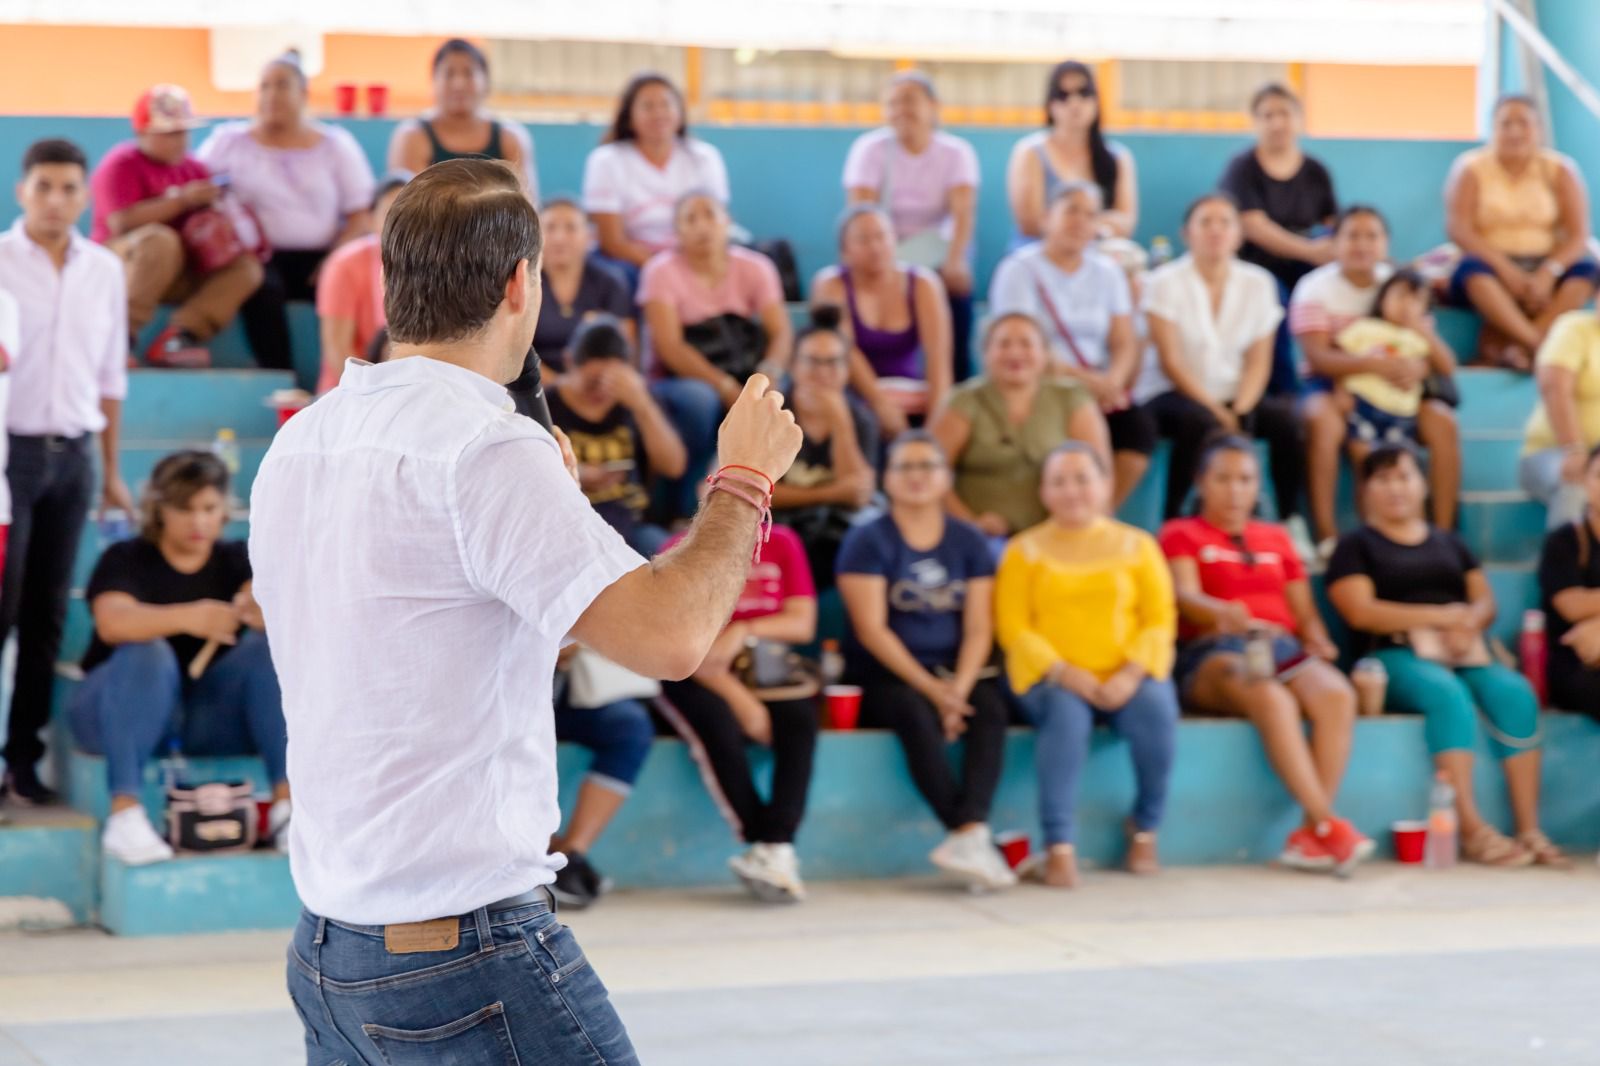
(998, 429)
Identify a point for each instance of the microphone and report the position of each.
(528, 393)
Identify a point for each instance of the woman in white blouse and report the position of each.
(1212, 318)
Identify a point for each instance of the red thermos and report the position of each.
(1531, 649)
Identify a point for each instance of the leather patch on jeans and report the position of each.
(441, 934)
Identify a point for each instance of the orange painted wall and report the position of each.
(1371, 101)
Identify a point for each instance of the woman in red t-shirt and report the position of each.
(1253, 645)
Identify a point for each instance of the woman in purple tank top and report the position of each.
(897, 319)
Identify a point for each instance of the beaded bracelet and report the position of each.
(750, 491)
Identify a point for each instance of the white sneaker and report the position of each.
(771, 872)
(971, 856)
(130, 838)
(278, 825)
(1300, 537)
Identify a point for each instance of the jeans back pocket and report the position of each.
(479, 1039)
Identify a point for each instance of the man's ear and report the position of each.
(517, 292)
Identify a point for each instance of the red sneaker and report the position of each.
(1303, 851)
(1345, 844)
(177, 349)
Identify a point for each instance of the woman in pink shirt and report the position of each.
(350, 292)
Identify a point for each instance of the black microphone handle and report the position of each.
(534, 405)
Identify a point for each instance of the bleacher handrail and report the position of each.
(1534, 40)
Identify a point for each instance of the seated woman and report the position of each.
(307, 182)
(1084, 611)
(1239, 580)
(918, 587)
(459, 126)
(1071, 148)
(619, 436)
(1566, 425)
(576, 286)
(999, 428)
(726, 705)
(835, 475)
(899, 326)
(178, 650)
(1212, 319)
(715, 315)
(1569, 587)
(1082, 301)
(634, 182)
(1519, 212)
(1422, 604)
(927, 181)
(350, 292)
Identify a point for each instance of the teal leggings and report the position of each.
(1450, 700)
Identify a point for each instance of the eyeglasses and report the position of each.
(927, 466)
(826, 362)
(1085, 93)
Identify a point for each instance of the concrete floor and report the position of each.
(1237, 966)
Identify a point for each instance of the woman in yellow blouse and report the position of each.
(1084, 610)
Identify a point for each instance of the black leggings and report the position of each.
(1187, 424)
(893, 704)
(286, 276)
(717, 743)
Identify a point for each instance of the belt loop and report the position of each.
(549, 894)
(322, 928)
(485, 934)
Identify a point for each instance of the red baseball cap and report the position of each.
(164, 109)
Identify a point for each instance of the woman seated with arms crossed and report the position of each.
(1240, 580)
(168, 655)
(350, 291)
(835, 475)
(1084, 611)
(720, 709)
(919, 586)
(1569, 586)
(1422, 604)
(899, 326)
(999, 428)
(715, 315)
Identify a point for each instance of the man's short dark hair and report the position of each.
(452, 240)
(53, 150)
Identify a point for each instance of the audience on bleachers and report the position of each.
(350, 291)
(1071, 148)
(1569, 592)
(460, 125)
(1287, 207)
(897, 320)
(68, 377)
(919, 589)
(1325, 302)
(998, 429)
(1084, 612)
(179, 655)
(308, 184)
(1253, 646)
(1082, 302)
(182, 237)
(835, 475)
(634, 183)
(1212, 319)
(1422, 605)
(752, 689)
(927, 180)
(1518, 213)
(1566, 424)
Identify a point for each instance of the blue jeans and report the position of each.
(619, 734)
(135, 699)
(695, 411)
(516, 989)
(1148, 722)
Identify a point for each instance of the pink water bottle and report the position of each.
(1531, 649)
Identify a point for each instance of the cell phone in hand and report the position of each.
(221, 181)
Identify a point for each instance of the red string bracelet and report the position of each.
(751, 492)
(771, 485)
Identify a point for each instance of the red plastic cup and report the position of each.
(1015, 846)
(844, 705)
(1410, 841)
(263, 816)
(344, 98)
(377, 99)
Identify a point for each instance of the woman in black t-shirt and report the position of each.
(1569, 587)
(178, 650)
(1421, 604)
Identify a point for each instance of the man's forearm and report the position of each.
(700, 579)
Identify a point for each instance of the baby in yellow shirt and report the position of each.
(1385, 412)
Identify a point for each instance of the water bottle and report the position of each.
(1441, 853)
(832, 662)
(114, 527)
(1160, 252)
(226, 448)
(1531, 649)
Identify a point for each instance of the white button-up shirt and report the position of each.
(73, 348)
(420, 553)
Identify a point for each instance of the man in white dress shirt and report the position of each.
(68, 379)
(420, 554)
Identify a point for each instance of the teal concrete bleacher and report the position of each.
(198, 894)
(51, 855)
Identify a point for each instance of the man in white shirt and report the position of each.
(420, 555)
(68, 379)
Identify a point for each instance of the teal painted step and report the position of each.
(1489, 459)
(1495, 399)
(1516, 589)
(52, 854)
(230, 349)
(1502, 527)
(1459, 329)
(198, 894)
(194, 404)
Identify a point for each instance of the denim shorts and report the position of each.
(1287, 655)
(1372, 425)
(1471, 265)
